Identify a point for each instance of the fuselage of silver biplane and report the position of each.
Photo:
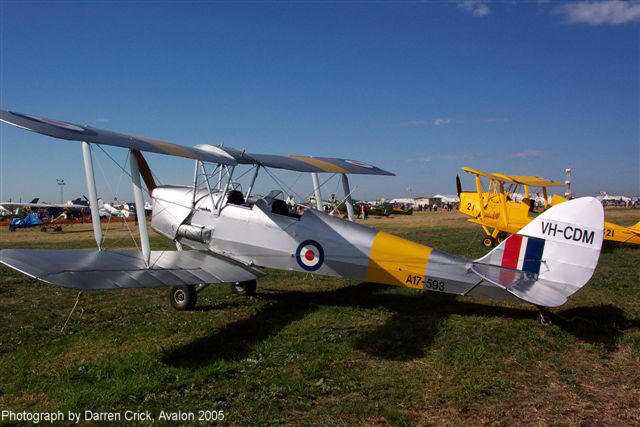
(313, 242)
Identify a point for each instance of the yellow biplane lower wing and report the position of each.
(618, 233)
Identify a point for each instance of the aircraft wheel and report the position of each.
(247, 288)
(502, 237)
(488, 242)
(183, 297)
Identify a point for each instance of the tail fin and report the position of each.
(636, 227)
(552, 257)
(35, 200)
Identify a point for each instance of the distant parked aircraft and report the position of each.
(53, 209)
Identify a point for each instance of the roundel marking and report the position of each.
(358, 163)
(310, 255)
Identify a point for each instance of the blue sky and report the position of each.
(418, 88)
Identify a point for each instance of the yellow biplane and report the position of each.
(501, 210)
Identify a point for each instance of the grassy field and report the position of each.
(312, 350)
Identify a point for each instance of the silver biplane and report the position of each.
(232, 235)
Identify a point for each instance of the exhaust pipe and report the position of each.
(195, 233)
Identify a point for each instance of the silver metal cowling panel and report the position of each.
(171, 206)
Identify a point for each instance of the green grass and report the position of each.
(318, 350)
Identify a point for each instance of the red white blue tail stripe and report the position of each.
(523, 253)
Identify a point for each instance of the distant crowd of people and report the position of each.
(434, 208)
(630, 204)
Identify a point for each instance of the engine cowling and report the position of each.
(171, 208)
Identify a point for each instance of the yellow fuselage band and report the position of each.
(396, 261)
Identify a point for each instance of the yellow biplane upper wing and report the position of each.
(535, 181)
(532, 181)
(485, 174)
(477, 172)
(492, 176)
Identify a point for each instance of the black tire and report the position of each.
(502, 237)
(247, 288)
(183, 297)
(488, 242)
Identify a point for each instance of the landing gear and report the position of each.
(501, 237)
(488, 242)
(543, 316)
(183, 297)
(247, 288)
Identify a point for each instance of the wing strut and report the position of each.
(195, 185)
(253, 181)
(316, 191)
(93, 197)
(347, 195)
(218, 205)
(206, 180)
(137, 195)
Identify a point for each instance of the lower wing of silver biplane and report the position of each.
(87, 269)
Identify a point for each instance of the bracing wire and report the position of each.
(111, 189)
(325, 181)
(282, 185)
(290, 190)
(296, 180)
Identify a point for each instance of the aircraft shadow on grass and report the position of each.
(406, 335)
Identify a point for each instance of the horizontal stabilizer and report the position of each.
(88, 269)
(522, 284)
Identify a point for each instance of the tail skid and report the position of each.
(552, 257)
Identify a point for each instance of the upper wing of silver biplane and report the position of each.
(87, 269)
(204, 152)
(73, 132)
(299, 163)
